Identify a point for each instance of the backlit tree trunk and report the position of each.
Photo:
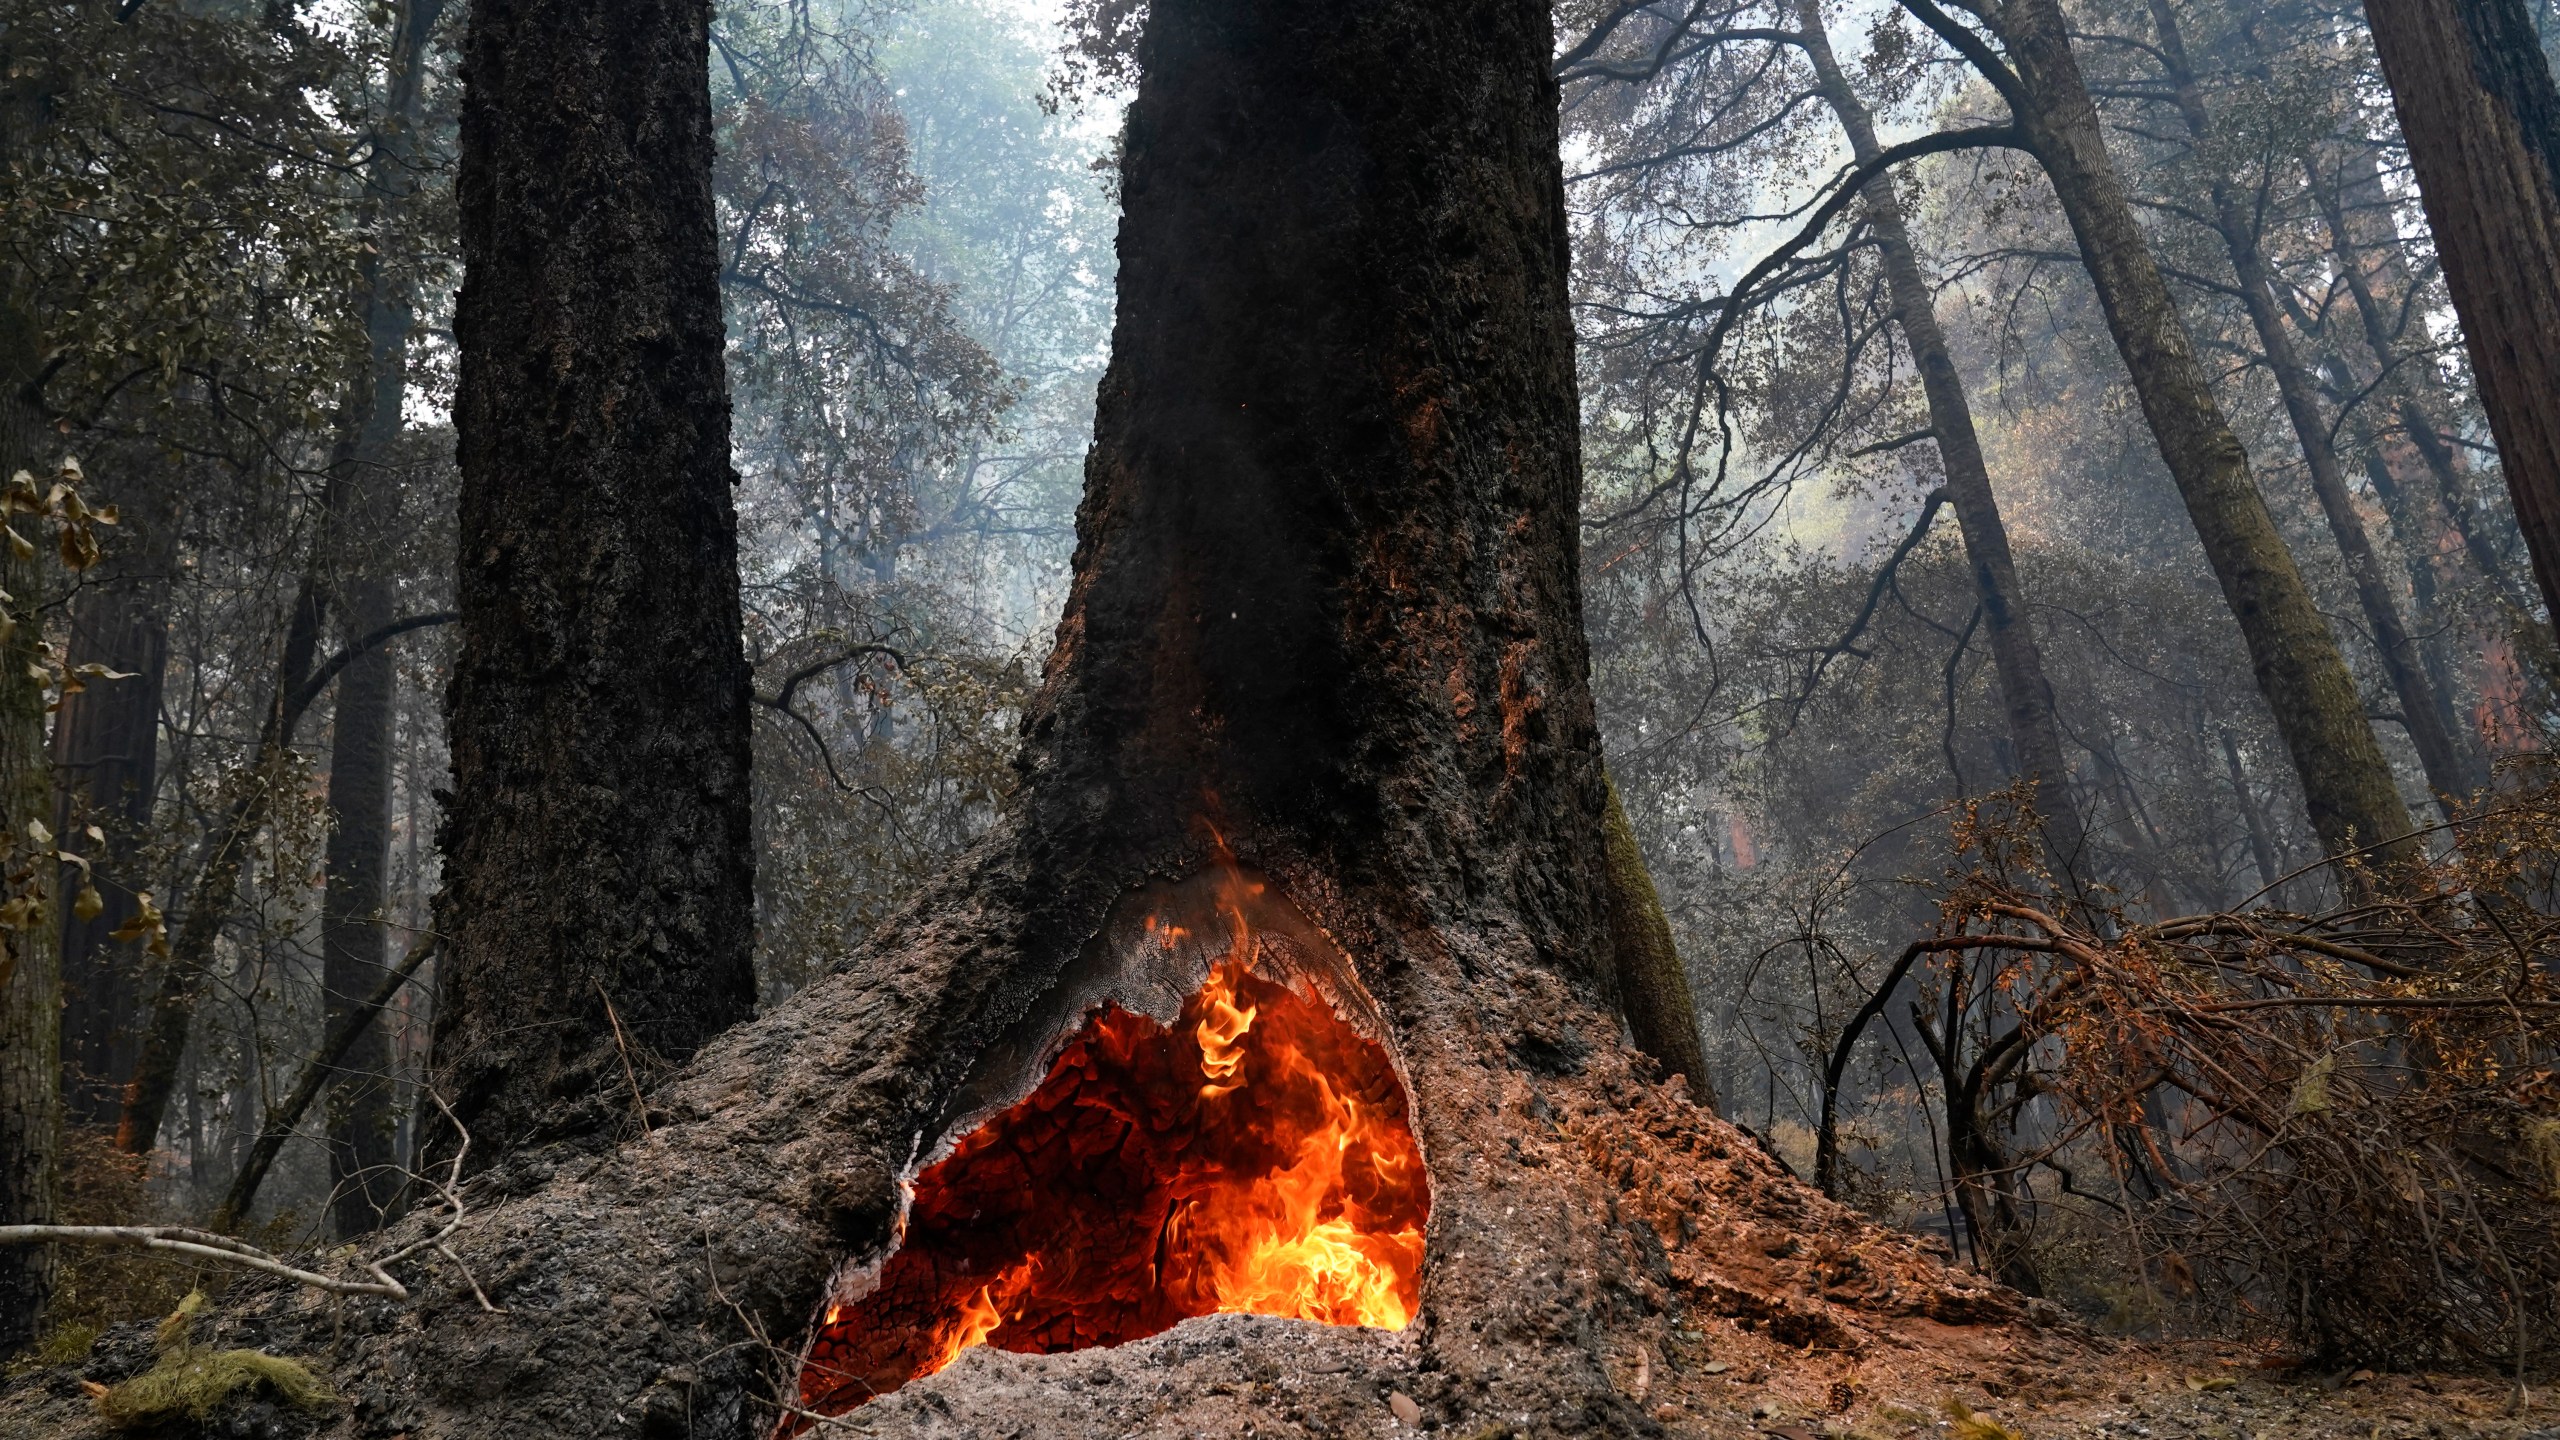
(2478, 108)
(1324, 619)
(2449, 765)
(2026, 696)
(2346, 783)
(353, 940)
(598, 892)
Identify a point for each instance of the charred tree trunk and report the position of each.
(598, 872)
(2478, 108)
(30, 954)
(2026, 696)
(2346, 783)
(2449, 765)
(1324, 617)
(106, 756)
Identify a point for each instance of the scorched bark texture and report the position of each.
(1324, 612)
(596, 846)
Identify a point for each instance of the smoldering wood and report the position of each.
(1324, 615)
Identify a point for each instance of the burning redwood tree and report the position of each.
(1285, 986)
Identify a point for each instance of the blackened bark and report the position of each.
(2482, 119)
(106, 756)
(2346, 783)
(597, 860)
(30, 972)
(2026, 696)
(2449, 765)
(1324, 615)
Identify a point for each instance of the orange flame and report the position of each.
(1255, 1156)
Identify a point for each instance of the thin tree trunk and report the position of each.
(2482, 119)
(2026, 696)
(223, 856)
(2401, 381)
(597, 853)
(2346, 784)
(2451, 770)
(362, 1156)
(2262, 846)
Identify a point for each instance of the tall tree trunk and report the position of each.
(30, 947)
(2403, 381)
(2026, 696)
(2346, 784)
(106, 756)
(362, 1156)
(2451, 770)
(30, 969)
(598, 885)
(2479, 110)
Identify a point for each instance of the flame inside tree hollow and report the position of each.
(1256, 1155)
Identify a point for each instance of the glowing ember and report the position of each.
(1255, 1156)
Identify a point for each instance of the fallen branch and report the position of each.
(199, 1245)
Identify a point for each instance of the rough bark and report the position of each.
(364, 1186)
(597, 857)
(2482, 119)
(1651, 979)
(2451, 769)
(30, 971)
(2346, 784)
(106, 756)
(1324, 613)
(2026, 696)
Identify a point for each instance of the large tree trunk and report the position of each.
(2346, 783)
(30, 969)
(1324, 618)
(2478, 108)
(2449, 764)
(364, 1185)
(106, 756)
(598, 900)
(2026, 696)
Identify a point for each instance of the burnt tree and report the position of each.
(2482, 118)
(597, 900)
(1324, 617)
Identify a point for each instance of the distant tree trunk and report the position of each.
(2026, 696)
(2418, 420)
(2451, 770)
(221, 857)
(362, 1155)
(598, 882)
(2479, 110)
(2346, 783)
(106, 756)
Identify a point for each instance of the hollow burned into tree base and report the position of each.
(1253, 1155)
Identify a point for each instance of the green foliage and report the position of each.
(191, 1382)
